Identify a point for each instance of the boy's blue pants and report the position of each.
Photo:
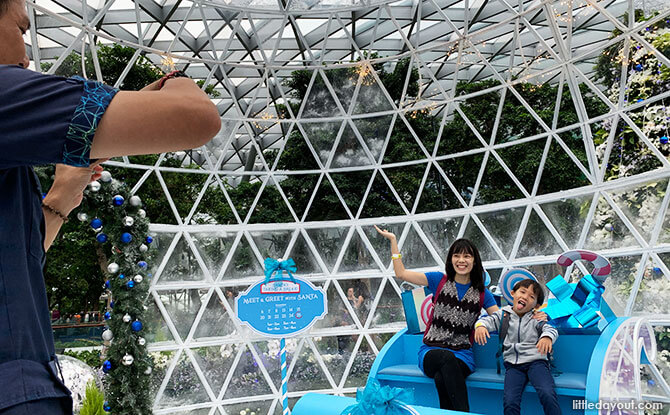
(539, 374)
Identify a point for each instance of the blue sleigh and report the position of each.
(597, 357)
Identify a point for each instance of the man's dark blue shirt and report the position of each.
(43, 120)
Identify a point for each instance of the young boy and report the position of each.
(525, 348)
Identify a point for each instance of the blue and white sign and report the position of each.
(281, 308)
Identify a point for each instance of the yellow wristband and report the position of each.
(396, 256)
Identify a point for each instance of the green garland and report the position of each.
(124, 227)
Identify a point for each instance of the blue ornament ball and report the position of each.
(664, 139)
(658, 270)
(126, 238)
(106, 366)
(131, 284)
(142, 264)
(96, 223)
(102, 238)
(106, 407)
(108, 315)
(107, 284)
(118, 200)
(136, 326)
(639, 67)
(122, 276)
(149, 239)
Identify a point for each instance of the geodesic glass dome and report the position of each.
(529, 127)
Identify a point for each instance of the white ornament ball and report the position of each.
(127, 318)
(94, 186)
(144, 248)
(113, 268)
(141, 341)
(148, 371)
(106, 176)
(138, 279)
(609, 227)
(135, 201)
(128, 221)
(107, 335)
(128, 360)
(142, 213)
(83, 217)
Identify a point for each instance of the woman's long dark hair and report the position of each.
(464, 246)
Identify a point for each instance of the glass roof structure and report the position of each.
(485, 119)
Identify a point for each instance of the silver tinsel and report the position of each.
(113, 268)
(127, 318)
(128, 221)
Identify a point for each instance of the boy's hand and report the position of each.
(481, 334)
(543, 345)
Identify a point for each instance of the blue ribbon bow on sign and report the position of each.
(378, 400)
(272, 266)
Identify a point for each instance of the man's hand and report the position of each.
(540, 316)
(67, 191)
(481, 335)
(544, 345)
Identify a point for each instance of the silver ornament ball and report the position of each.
(126, 318)
(142, 213)
(128, 221)
(609, 227)
(107, 335)
(148, 371)
(141, 341)
(113, 268)
(144, 248)
(94, 186)
(106, 176)
(135, 201)
(83, 217)
(128, 360)
(138, 279)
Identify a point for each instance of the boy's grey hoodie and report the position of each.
(522, 335)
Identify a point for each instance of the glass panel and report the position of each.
(406, 181)
(380, 201)
(213, 248)
(272, 244)
(271, 207)
(328, 242)
(352, 186)
(184, 188)
(374, 131)
(361, 294)
(653, 296)
(378, 242)
(215, 362)
(349, 151)
(389, 311)
(641, 205)
(436, 194)
(370, 96)
(358, 374)
(537, 240)
(338, 316)
(568, 217)
(215, 321)
(620, 282)
(322, 137)
(307, 373)
(607, 231)
(247, 380)
(503, 226)
(243, 262)
(182, 307)
(155, 329)
(336, 352)
(523, 160)
(320, 102)
(157, 249)
(304, 258)
(162, 361)
(475, 235)
(415, 252)
(327, 205)
(357, 257)
(184, 386)
(182, 265)
(441, 233)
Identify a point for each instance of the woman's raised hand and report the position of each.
(386, 234)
